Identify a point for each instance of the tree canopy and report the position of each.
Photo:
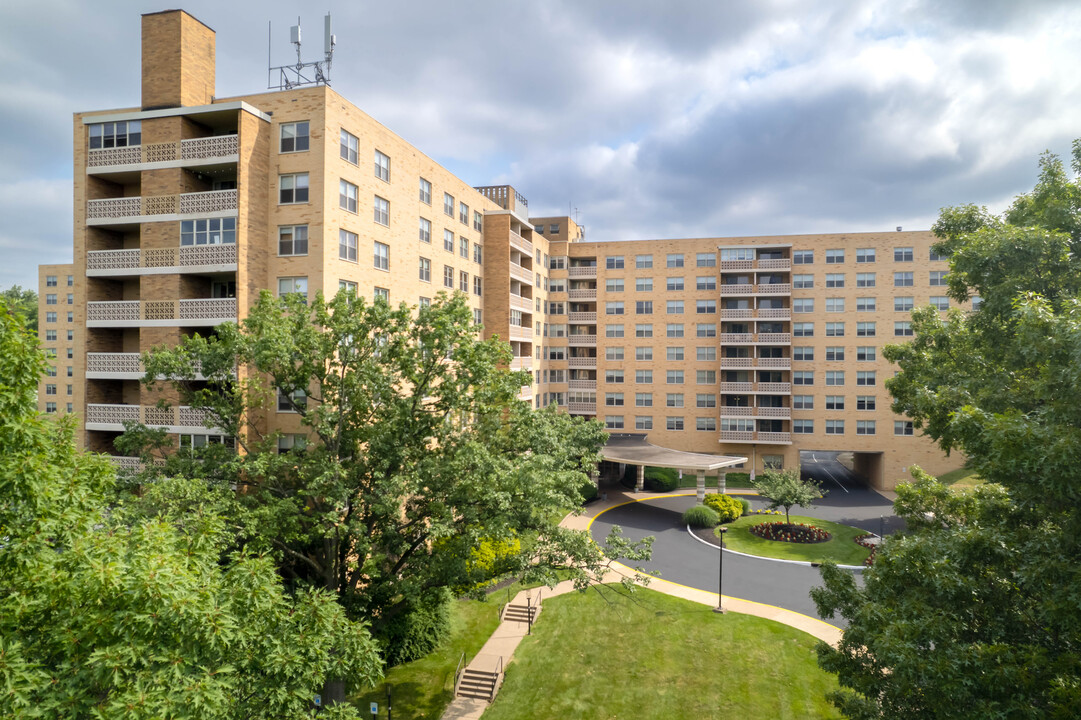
(785, 488)
(23, 303)
(107, 611)
(974, 611)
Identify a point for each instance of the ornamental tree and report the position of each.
(785, 488)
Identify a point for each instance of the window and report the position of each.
(50, 407)
(938, 278)
(803, 402)
(835, 353)
(674, 377)
(348, 149)
(835, 377)
(674, 307)
(673, 423)
(463, 285)
(803, 377)
(835, 257)
(737, 254)
(448, 204)
(705, 260)
(555, 308)
(613, 308)
(643, 399)
(704, 330)
(674, 260)
(209, 231)
(705, 307)
(643, 422)
(902, 303)
(865, 402)
(865, 427)
(707, 353)
(865, 255)
(705, 400)
(294, 137)
(613, 422)
(553, 228)
(803, 329)
(865, 377)
(674, 330)
(902, 427)
(292, 402)
(902, 279)
(50, 281)
(835, 329)
(613, 399)
(347, 245)
(643, 377)
(50, 336)
(477, 221)
(865, 280)
(350, 288)
(674, 284)
(381, 255)
(865, 353)
(803, 282)
(71, 299)
(643, 353)
(463, 213)
(902, 329)
(293, 189)
(643, 261)
(902, 254)
(674, 353)
(643, 330)
(614, 262)
(803, 427)
(347, 196)
(115, 134)
(705, 377)
(835, 427)
(803, 257)
(613, 376)
(673, 400)
(835, 280)
(292, 240)
(835, 402)
(382, 166)
(478, 255)
(51, 316)
(381, 294)
(940, 302)
(448, 241)
(613, 285)
(425, 231)
(425, 270)
(643, 284)
(425, 192)
(613, 331)
(835, 304)
(614, 353)
(865, 329)
(70, 353)
(705, 282)
(463, 247)
(448, 276)
(71, 335)
(865, 304)
(288, 285)
(381, 211)
(803, 353)
(71, 317)
(803, 305)
(705, 423)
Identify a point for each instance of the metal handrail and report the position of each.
(498, 680)
(458, 672)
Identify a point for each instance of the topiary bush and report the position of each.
(661, 479)
(726, 506)
(701, 516)
(417, 630)
(740, 479)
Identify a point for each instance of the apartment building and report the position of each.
(188, 205)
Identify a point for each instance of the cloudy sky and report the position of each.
(650, 119)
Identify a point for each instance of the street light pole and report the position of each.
(720, 572)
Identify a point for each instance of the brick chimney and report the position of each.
(178, 60)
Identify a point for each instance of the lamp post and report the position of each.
(720, 572)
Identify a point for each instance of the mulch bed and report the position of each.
(707, 535)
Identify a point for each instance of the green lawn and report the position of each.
(961, 478)
(840, 548)
(655, 656)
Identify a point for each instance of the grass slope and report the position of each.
(961, 479)
(655, 656)
(840, 548)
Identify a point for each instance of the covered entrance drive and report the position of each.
(633, 449)
(840, 469)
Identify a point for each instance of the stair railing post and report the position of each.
(529, 615)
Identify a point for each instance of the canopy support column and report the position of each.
(700, 494)
(722, 482)
(640, 481)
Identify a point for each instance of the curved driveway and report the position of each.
(680, 558)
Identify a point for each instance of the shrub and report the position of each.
(743, 479)
(588, 490)
(661, 479)
(726, 506)
(745, 503)
(417, 630)
(701, 516)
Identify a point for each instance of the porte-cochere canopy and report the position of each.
(634, 449)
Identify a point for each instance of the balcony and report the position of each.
(582, 363)
(522, 362)
(580, 408)
(582, 294)
(736, 265)
(582, 272)
(773, 363)
(111, 418)
(737, 289)
(194, 151)
(114, 366)
(215, 203)
(521, 244)
(588, 318)
(777, 264)
(773, 438)
(521, 334)
(161, 313)
(520, 273)
(775, 338)
(582, 340)
(737, 436)
(773, 289)
(730, 314)
(737, 387)
(736, 363)
(737, 339)
(774, 313)
(581, 384)
(774, 388)
(161, 261)
(773, 412)
(518, 302)
(735, 411)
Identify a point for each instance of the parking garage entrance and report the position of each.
(837, 470)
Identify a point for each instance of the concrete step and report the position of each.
(520, 613)
(477, 684)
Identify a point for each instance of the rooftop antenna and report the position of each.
(302, 73)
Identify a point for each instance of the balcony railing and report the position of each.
(581, 384)
(101, 262)
(731, 363)
(520, 273)
(776, 264)
(217, 147)
(580, 407)
(737, 289)
(582, 294)
(773, 412)
(582, 317)
(152, 415)
(737, 387)
(774, 437)
(114, 364)
(780, 438)
(741, 314)
(737, 435)
(737, 338)
(520, 243)
(521, 303)
(736, 264)
(735, 411)
(522, 362)
(586, 363)
(523, 334)
(777, 338)
(781, 388)
(580, 340)
(201, 311)
(199, 203)
(774, 313)
(582, 272)
(774, 289)
(773, 363)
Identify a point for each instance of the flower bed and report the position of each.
(873, 547)
(794, 533)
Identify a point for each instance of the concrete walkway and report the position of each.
(506, 638)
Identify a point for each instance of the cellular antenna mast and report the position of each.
(302, 73)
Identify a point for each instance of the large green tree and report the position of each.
(415, 453)
(785, 488)
(107, 611)
(23, 303)
(975, 611)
